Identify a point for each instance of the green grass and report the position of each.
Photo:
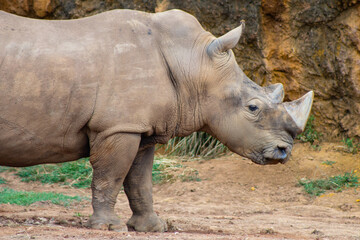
(24, 198)
(351, 146)
(169, 170)
(2, 180)
(310, 134)
(198, 144)
(336, 183)
(329, 163)
(190, 175)
(77, 174)
(5, 169)
(159, 172)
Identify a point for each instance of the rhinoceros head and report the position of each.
(250, 120)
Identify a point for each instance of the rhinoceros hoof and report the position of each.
(112, 224)
(146, 223)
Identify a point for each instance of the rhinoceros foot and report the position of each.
(146, 223)
(111, 223)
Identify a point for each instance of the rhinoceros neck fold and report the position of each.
(182, 47)
(189, 117)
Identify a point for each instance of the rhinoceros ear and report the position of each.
(275, 92)
(227, 41)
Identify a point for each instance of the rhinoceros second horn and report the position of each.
(276, 92)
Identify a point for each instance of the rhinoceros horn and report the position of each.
(275, 92)
(299, 109)
(227, 41)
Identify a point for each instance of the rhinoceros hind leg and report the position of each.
(111, 160)
(138, 188)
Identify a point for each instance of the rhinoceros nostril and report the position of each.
(282, 152)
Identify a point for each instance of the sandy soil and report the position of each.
(236, 199)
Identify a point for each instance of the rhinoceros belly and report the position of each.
(43, 115)
(42, 118)
(23, 147)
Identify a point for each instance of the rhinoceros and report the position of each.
(113, 85)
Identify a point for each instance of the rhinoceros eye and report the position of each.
(253, 108)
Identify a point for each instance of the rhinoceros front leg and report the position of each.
(138, 188)
(111, 160)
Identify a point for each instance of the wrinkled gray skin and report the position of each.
(113, 85)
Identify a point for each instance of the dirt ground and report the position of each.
(235, 199)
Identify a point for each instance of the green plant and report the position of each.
(198, 144)
(79, 173)
(5, 169)
(23, 198)
(77, 214)
(329, 163)
(190, 175)
(2, 180)
(158, 173)
(310, 134)
(335, 183)
(351, 146)
(76, 174)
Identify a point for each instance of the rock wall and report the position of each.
(304, 44)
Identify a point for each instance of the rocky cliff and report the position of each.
(304, 44)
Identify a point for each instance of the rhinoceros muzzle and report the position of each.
(277, 155)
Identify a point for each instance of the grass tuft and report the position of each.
(2, 180)
(328, 163)
(351, 146)
(7, 169)
(23, 198)
(190, 175)
(77, 174)
(198, 144)
(169, 170)
(335, 183)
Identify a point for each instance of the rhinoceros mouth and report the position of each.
(270, 161)
(277, 153)
(273, 156)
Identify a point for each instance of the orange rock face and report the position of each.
(316, 46)
(42, 7)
